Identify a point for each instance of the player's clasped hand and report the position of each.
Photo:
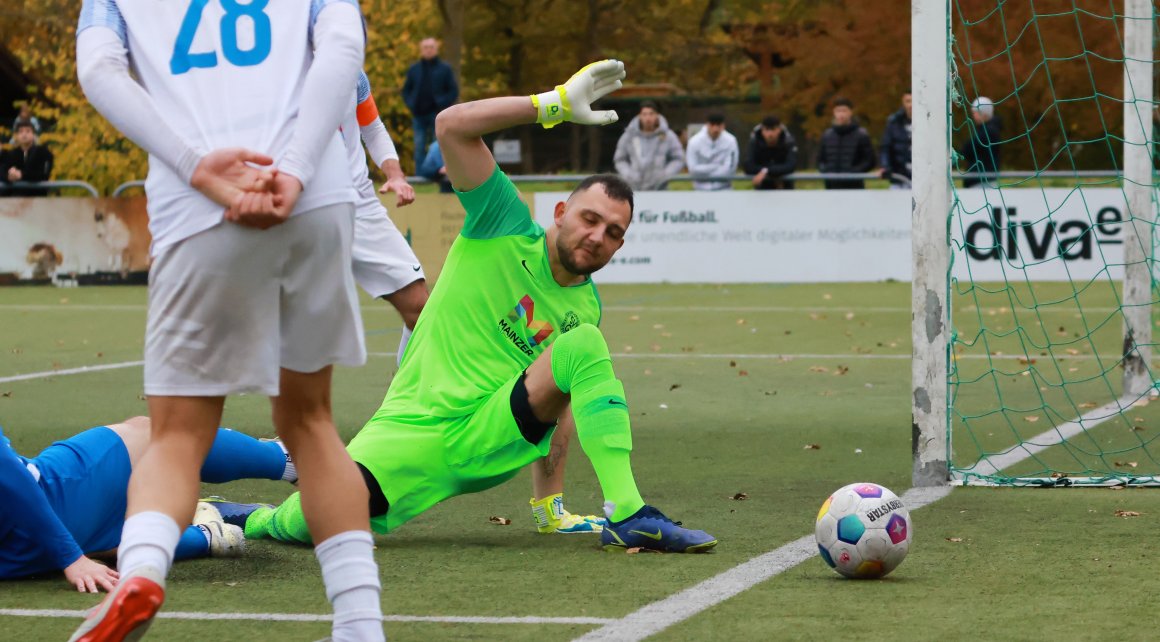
(241, 181)
(87, 575)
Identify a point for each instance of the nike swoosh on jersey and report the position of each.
(613, 402)
(525, 264)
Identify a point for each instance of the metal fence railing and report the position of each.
(735, 178)
(21, 185)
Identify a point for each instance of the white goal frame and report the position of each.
(932, 86)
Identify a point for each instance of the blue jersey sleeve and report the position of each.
(27, 517)
(103, 13)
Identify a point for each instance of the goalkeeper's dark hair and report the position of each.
(614, 186)
(770, 122)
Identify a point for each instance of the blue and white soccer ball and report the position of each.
(863, 531)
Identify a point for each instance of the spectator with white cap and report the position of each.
(981, 152)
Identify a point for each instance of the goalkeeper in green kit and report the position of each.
(507, 346)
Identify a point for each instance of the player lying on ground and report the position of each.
(68, 503)
(507, 346)
(386, 267)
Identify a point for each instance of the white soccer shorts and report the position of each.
(230, 306)
(383, 262)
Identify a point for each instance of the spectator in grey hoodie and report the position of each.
(649, 154)
(713, 152)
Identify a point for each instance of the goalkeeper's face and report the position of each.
(591, 228)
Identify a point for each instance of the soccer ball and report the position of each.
(863, 531)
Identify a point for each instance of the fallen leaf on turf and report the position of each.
(141, 397)
(812, 447)
(741, 497)
(1088, 404)
(841, 370)
(827, 296)
(1031, 419)
(655, 347)
(732, 364)
(1025, 361)
(954, 539)
(1072, 351)
(658, 326)
(666, 334)
(788, 332)
(100, 354)
(7, 393)
(857, 451)
(849, 316)
(1126, 513)
(628, 348)
(687, 348)
(1139, 428)
(1073, 369)
(1139, 420)
(741, 322)
(1125, 464)
(647, 371)
(17, 351)
(770, 393)
(64, 300)
(635, 317)
(664, 406)
(501, 521)
(232, 583)
(1058, 475)
(742, 373)
(637, 549)
(819, 369)
(674, 387)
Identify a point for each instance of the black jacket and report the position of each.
(846, 150)
(895, 147)
(780, 159)
(35, 166)
(430, 87)
(981, 152)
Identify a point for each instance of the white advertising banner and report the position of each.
(1054, 234)
(810, 236)
(759, 237)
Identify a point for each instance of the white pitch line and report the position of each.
(1030, 447)
(660, 615)
(71, 371)
(310, 617)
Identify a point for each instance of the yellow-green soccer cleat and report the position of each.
(550, 517)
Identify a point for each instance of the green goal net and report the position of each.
(1050, 287)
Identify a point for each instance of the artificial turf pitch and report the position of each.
(723, 402)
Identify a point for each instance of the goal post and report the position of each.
(930, 249)
(1034, 291)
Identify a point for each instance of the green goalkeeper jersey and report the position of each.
(495, 309)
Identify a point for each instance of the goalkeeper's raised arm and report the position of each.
(460, 129)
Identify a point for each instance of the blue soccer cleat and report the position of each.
(649, 528)
(233, 512)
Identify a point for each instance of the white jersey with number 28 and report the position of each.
(222, 73)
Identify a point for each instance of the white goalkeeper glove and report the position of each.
(573, 100)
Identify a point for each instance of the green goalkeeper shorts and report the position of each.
(421, 461)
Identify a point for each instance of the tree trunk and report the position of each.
(452, 33)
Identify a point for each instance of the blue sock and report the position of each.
(236, 455)
(193, 544)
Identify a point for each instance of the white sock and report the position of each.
(290, 472)
(402, 345)
(148, 539)
(352, 585)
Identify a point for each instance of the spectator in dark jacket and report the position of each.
(27, 162)
(430, 88)
(981, 153)
(845, 148)
(772, 154)
(895, 148)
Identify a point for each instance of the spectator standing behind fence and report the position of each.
(713, 151)
(981, 153)
(26, 162)
(649, 154)
(772, 155)
(895, 148)
(25, 115)
(845, 148)
(434, 169)
(430, 88)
